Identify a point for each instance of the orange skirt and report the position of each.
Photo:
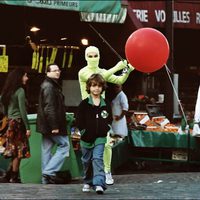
(17, 144)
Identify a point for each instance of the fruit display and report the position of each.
(158, 123)
(141, 117)
(171, 128)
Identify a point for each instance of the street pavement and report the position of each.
(182, 185)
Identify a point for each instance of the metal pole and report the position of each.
(187, 130)
(170, 37)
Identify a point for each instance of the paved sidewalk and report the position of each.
(132, 186)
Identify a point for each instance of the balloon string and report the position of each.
(125, 70)
(175, 92)
(104, 40)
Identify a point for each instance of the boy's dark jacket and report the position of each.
(93, 121)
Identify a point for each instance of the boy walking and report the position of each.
(93, 119)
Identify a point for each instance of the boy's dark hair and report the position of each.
(96, 79)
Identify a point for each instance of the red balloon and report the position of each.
(147, 50)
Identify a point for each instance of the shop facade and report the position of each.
(182, 33)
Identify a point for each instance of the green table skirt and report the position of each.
(140, 138)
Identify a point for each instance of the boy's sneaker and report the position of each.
(86, 188)
(99, 190)
(109, 179)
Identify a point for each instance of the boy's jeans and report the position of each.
(92, 159)
(52, 163)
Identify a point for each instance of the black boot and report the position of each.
(2, 176)
(14, 177)
(8, 173)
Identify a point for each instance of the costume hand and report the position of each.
(196, 130)
(122, 64)
(55, 131)
(131, 68)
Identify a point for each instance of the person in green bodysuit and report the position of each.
(92, 56)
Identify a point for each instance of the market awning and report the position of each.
(104, 17)
(109, 7)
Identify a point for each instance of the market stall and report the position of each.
(160, 140)
(163, 147)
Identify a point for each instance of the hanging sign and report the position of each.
(4, 61)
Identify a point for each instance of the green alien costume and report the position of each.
(93, 67)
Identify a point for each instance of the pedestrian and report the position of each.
(51, 123)
(120, 107)
(93, 118)
(196, 127)
(14, 101)
(92, 56)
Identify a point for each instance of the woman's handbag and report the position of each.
(3, 125)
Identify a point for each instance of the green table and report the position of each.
(161, 139)
(162, 146)
(119, 154)
(30, 168)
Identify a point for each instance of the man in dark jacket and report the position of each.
(51, 123)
